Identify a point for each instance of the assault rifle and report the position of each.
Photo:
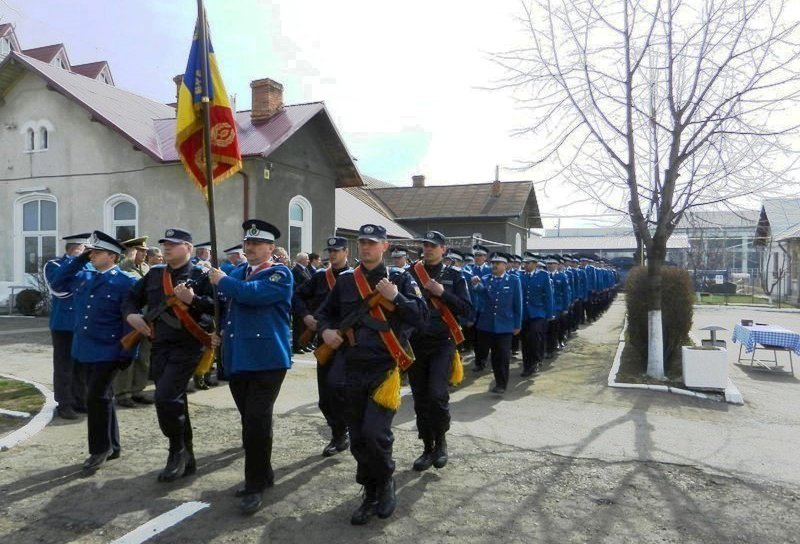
(132, 339)
(324, 352)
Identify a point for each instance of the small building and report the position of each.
(776, 240)
(611, 246)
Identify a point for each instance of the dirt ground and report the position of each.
(492, 490)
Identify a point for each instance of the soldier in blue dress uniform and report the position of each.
(234, 256)
(177, 342)
(500, 319)
(434, 347)
(256, 349)
(306, 301)
(399, 255)
(479, 269)
(361, 368)
(537, 298)
(98, 327)
(69, 379)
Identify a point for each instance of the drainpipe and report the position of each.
(245, 195)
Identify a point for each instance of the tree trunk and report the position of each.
(656, 256)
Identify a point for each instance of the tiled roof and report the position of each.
(597, 243)
(150, 125)
(90, 69)
(352, 212)
(46, 53)
(699, 218)
(783, 215)
(5, 28)
(455, 201)
(375, 183)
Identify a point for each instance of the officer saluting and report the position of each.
(366, 367)
(97, 331)
(69, 379)
(447, 295)
(307, 299)
(256, 349)
(500, 319)
(179, 336)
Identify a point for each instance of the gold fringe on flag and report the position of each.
(388, 393)
(456, 369)
(204, 365)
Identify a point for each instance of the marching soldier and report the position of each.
(447, 295)
(307, 299)
(129, 383)
(256, 350)
(537, 299)
(180, 337)
(500, 319)
(234, 257)
(399, 255)
(366, 368)
(480, 268)
(69, 379)
(98, 329)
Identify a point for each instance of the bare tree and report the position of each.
(654, 107)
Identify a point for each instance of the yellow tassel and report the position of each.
(456, 369)
(204, 365)
(388, 393)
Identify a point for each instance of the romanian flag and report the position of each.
(225, 153)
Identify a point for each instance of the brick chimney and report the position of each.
(178, 81)
(418, 181)
(267, 99)
(496, 189)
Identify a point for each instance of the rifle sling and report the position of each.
(182, 312)
(447, 315)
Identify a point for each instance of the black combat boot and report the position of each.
(367, 509)
(440, 452)
(176, 466)
(337, 444)
(386, 499)
(424, 461)
(191, 462)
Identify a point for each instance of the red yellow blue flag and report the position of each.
(225, 153)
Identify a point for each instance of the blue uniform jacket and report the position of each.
(502, 312)
(591, 280)
(62, 303)
(476, 271)
(560, 292)
(580, 275)
(255, 329)
(537, 295)
(97, 298)
(227, 267)
(410, 313)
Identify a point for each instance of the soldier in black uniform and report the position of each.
(361, 369)
(306, 300)
(176, 346)
(446, 292)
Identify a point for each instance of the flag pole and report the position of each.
(206, 108)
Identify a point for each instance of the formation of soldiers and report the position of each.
(370, 325)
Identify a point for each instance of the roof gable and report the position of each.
(49, 53)
(93, 70)
(779, 217)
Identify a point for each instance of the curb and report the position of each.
(732, 394)
(38, 422)
(758, 307)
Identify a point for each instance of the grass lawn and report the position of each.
(732, 299)
(21, 397)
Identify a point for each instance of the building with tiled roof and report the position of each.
(80, 154)
(778, 239)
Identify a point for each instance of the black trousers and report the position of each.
(254, 394)
(533, 337)
(500, 346)
(102, 418)
(552, 335)
(297, 331)
(370, 425)
(563, 327)
(331, 403)
(69, 378)
(429, 378)
(577, 314)
(481, 352)
(172, 366)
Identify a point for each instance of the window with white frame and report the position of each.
(30, 140)
(5, 47)
(43, 138)
(299, 225)
(39, 232)
(122, 217)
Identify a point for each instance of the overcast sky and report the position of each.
(405, 82)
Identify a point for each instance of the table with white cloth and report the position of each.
(766, 337)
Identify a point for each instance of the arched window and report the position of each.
(299, 225)
(42, 138)
(30, 139)
(122, 217)
(37, 228)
